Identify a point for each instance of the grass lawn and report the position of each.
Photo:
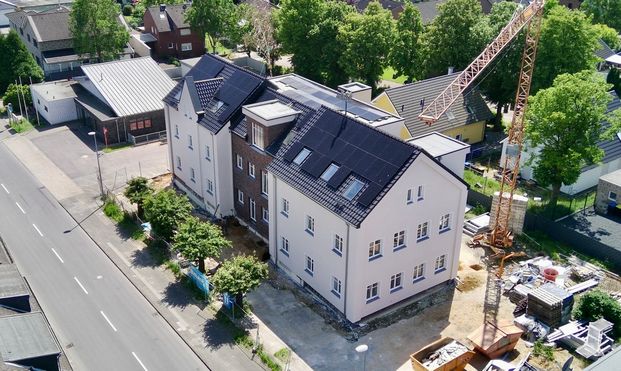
(220, 49)
(389, 73)
(116, 147)
(21, 126)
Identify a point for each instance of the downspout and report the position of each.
(200, 166)
(213, 165)
(275, 221)
(346, 271)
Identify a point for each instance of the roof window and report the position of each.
(301, 156)
(352, 190)
(329, 171)
(215, 105)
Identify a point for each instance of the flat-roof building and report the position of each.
(27, 340)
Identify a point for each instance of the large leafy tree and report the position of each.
(215, 18)
(137, 191)
(566, 45)
(261, 33)
(564, 125)
(502, 76)
(16, 94)
(198, 240)
(297, 30)
(406, 53)
(16, 61)
(609, 35)
(165, 210)
(96, 29)
(333, 16)
(604, 11)
(366, 39)
(451, 40)
(239, 276)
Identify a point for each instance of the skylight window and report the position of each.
(301, 156)
(329, 172)
(215, 105)
(353, 189)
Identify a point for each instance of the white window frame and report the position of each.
(209, 186)
(265, 214)
(396, 282)
(178, 162)
(264, 183)
(301, 156)
(171, 45)
(284, 245)
(207, 153)
(284, 204)
(309, 265)
(190, 141)
(337, 286)
(192, 174)
(440, 263)
(309, 224)
(356, 186)
(419, 272)
(445, 223)
(410, 196)
(252, 207)
(422, 231)
(337, 244)
(176, 131)
(398, 240)
(372, 292)
(257, 136)
(330, 171)
(375, 249)
(185, 32)
(251, 169)
(420, 193)
(610, 198)
(186, 47)
(240, 196)
(240, 161)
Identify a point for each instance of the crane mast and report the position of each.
(530, 17)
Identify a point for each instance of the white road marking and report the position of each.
(58, 256)
(99, 277)
(110, 323)
(35, 227)
(6, 190)
(18, 205)
(80, 284)
(139, 361)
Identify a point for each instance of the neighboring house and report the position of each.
(47, 37)
(122, 100)
(55, 101)
(362, 218)
(395, 7)
(464, 120)
(603, 52)
(9, 6)
(608, 198)
(199, 111)
(590, 174)
(448, 151)
(428, 8)
(172, 34)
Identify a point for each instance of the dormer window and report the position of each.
(329, 171)
(257, 136)
(215, 105)
(301, 156)
(352, 190)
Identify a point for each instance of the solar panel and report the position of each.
(369, 194)
(337, 179)
(293, 151)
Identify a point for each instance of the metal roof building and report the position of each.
(26, 339)
(14, 292)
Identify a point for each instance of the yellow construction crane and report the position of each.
(529, 17)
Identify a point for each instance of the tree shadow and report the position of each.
(152, 255)
(582, 224)
(177, 295)
(220, 331)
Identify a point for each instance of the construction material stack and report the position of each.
(550, 304)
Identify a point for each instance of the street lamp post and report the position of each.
(363, 348)
(94, 135)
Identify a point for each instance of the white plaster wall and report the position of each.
(394, 128)
(58, 111)
(455, 161)
(219, 170)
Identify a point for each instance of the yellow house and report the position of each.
(465, 120)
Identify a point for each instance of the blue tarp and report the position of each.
(199, 279)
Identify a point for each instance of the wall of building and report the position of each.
(56, 111)
(602, 200)
(470, 133)
(223, 170)
(455, 161)
(382, 101)
(161, 46)
(442, 191)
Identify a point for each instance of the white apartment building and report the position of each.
(362, 218)
(198, 115)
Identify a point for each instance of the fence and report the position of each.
(147, 138)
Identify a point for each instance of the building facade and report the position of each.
(173, 35)
(608, 198)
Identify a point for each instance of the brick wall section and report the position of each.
(160, 48)
(603, 190)
(119, 128)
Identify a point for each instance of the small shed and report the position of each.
(27, 340)
(14, 293)
(495, 339)
(54, 101)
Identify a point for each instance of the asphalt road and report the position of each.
(101, 320)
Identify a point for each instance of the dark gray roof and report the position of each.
(395, 7)
(92, 104)
(24, 336)
(611, 147)
(60, 55)
(409, 99)
(11, 282)
(603, 51)
(362, 152)
(51, 25)
(428, 9)
(238, 87)
(608, 362)
(206, 89)
(172, 17)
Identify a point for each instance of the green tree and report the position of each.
(614, 79)
(366, 39)
(239, 276)
(450, 40)
(608, 35)
(165, 210)
(262, 31)
(198, 240)
(564, 136)
(500, 84)
(215, 18)
(406, 53)
(97, 32)
(16, 62)
(15, 94)
(137, 191)
(562, 27)
(297, 30)
(604, 11)
(597, 304)
(326, 32)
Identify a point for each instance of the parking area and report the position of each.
(603, 228)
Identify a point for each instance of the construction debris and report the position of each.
(550, 304)
(533, 329)
(442, 355)
(495, 339)
(590, 341)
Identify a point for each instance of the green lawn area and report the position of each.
(116, 147)
(389, 73)
(21, 126)
(220, 49)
